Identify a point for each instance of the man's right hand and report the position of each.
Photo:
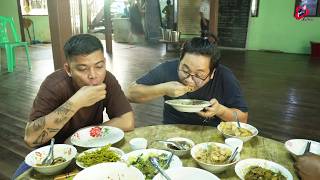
(308, 166)
(89, 95)
(176, 89)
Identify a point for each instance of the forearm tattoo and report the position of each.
(41, 139)
(62, 112)
(62, 115)
(38, 124)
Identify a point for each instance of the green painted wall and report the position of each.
(275, 28)
(41, 28)
(10, 8)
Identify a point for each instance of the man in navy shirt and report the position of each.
(197, 75)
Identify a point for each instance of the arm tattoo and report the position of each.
(38, 124)
(51, 130)
(62, 112)
(41, 138)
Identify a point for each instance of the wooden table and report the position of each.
(258, 147)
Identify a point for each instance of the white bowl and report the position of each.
(65, 151)
(180, 153)
(187, 105)
(187, 173)
(243, 125)
(234, 143)
(297, 146)
(138, 143)
(111, 170)
(242, 167)
(214, 168)
(116, 150)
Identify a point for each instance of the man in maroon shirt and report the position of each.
(76, 97)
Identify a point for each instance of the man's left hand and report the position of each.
(211, 111)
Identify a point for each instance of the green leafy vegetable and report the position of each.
(99, 156)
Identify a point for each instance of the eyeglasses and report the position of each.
(195, 77)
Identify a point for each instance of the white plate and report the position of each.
(242, 167)
(185, 105)
(187, 173)
(297, 146)
(175, 162)
(111, 170)
(97, 138)
(116, 150)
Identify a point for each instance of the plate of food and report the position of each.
(230, 129)
(252, 169)
(140, 159)
(188, 105)
(96, 136)
(95, 156)
(213, 156)
(110, 170)
(297, 146)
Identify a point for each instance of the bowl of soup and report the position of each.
(188, 105)
(185, 143)
(62, 153)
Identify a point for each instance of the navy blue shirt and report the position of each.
(224, 87)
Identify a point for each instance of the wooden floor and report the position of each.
(282, 91)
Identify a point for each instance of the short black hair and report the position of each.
(202, 46)
(81, 44)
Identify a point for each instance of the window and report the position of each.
(34, 7)
(310, 8)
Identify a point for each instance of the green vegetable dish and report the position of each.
(101, 155)
(144, 165)
(259, 173)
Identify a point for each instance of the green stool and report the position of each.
(8, 45)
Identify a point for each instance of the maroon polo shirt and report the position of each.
(58, 87)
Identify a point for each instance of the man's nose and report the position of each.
(189, 80)
(92, 74)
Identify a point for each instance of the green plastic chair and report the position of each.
(10, 45)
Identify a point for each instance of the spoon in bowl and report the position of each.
(235, 115)
(233, 155)
(178, 145)
(49, 159)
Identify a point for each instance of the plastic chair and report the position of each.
(10, 45)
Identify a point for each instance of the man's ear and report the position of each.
(66, 67)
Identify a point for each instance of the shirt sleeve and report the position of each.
(46, 101)
(116, 102)
(233, 93)
(155, 76)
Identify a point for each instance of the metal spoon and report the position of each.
(176, 144)
(166, 166)
(233, 155)
(49, 159)
(307, 148)
(156, 165)
(235, 114)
